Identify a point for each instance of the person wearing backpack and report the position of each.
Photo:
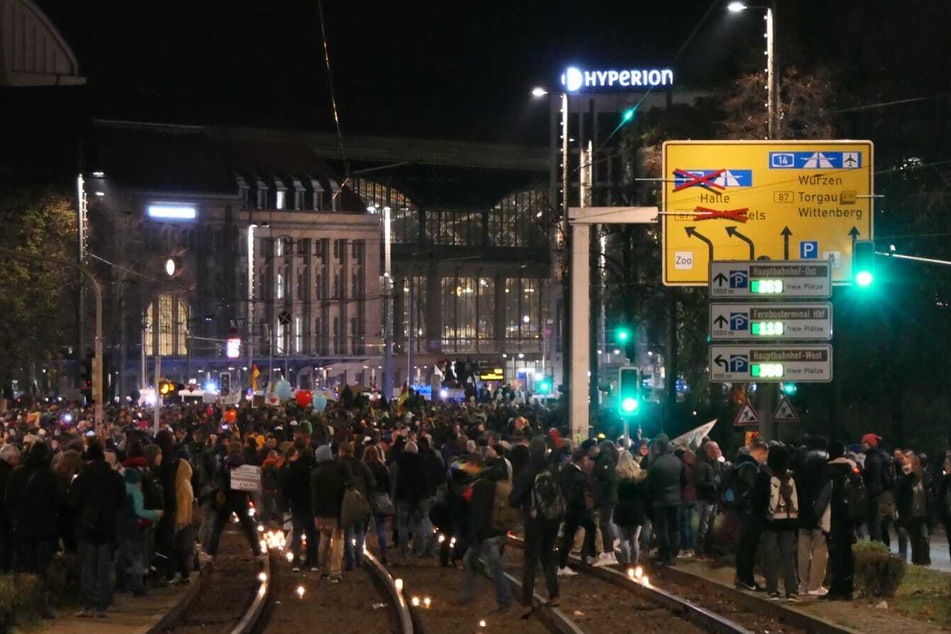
(489, 521)
(837, 520)
(537, 493)
(736, 497)
(577, 513)
(776, 501)
(813, 552)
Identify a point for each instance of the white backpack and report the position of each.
(783, 499)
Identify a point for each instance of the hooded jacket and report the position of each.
(295, 483)
(631, 509)
(605, 475)
(326, 485)
(412, 478)
(483, 497)
(809, 481)
(707, 474)
(97, 496)
(521, 497)
(665, 476)
(34, 499)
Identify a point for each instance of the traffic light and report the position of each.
(863, 263)
(623, 335)
(629, 391)
(788, 388)
(167, 388)
(544, 385)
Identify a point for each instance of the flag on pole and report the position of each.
(255, 373)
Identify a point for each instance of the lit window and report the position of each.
(279, 202)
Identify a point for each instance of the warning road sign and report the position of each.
(746, 417)
(752, 200)
(785, 413)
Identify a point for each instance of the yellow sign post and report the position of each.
(770, 200)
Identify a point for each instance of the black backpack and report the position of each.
(855, 498)
(734, 491)
(547, 501)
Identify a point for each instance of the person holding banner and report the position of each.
(231, 497)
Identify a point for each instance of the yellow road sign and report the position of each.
(777, 200)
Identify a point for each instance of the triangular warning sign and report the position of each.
(746, 416)
(784, 411)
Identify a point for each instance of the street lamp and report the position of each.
(772, 81)
(387, 300)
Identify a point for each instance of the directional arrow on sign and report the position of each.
(720, 279)
(855, 233)
(693, 233)
(785, 233)
(732, 232)
(720, 361)
(721, 321)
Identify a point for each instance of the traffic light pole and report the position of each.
(97, 288)
(580, 219)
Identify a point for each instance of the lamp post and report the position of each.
(387, 300)
(250, 316)
(772, 80)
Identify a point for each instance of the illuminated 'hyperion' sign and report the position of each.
(577, 80)
(162, 211)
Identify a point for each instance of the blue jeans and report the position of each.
(685, 518)
(132, 553)
(412, 519)
(95, 562)
(491, 550)
(380, 522)
(353, 540)
(706, 513)
(630, 544)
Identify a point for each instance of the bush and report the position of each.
(21, 597)
(878, 573)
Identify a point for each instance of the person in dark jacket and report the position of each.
(605, 481)
(746, 470)
(410, 488)
(165, 529)
(357, 475)
(540, 533)
(34, 501)
(577, 512)
(664, 481)
(874, 472)
(435, 468)
(97, 496)
(943, 487)
(484, 540)
(631, 508)
(295, 487)
(708, 472)
(9, 458)
(833, 513)
(518, 454)
(327, 485)
(813, 551)
(775, 499)
(381, 476)
(205, 462)
(231, 501)
(914, 504)
(688, 501)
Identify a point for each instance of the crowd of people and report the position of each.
(447, 481)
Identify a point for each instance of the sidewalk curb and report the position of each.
(183, 604)
(782, 611)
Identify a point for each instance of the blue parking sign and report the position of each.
(809, 250)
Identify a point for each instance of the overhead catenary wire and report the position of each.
(330, 81)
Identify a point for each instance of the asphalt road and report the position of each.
(940, 558)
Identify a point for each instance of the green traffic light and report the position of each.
(628, 114)
(864, 278)
(629, 405)
(623, 335)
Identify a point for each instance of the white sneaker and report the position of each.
(606, 559)
(821, 592)
(566, 572)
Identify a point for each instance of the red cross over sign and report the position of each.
(699, 180)
(734, 215)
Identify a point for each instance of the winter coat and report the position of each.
(664, 479)
(97, 496)
(876, 462)
(34, 502)
(327, 483)
(204, 464)
(943, 502)
(707, 478)
(518, 456)
(631, 509)
(435, 470)
(381, 476)
(605, 476)
(412, 481)
(905, 498)
(759, 501)
(809, 481)
(236, 499)
(295, 483)
(482, 501)
(831, 508)
(357, 474)
(688, 492)
(572, 490)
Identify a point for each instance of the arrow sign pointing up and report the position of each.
(854, 232)
(722, 362)
(732, 232)
(720, 279)
(786, 233)
(693, 233)
(721, 321)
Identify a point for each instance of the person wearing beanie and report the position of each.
(775, 499)
(327, 484)
(878, 474)
(97, 496)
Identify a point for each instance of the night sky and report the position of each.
(438, 69)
